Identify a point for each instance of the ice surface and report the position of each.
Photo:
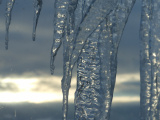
(150, 64)
(60, 15)
(90, 31)
(37, 10)
(97, 65)
(10, 4)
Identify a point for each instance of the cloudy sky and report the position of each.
(24, 67)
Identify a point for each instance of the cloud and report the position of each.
(10, 87)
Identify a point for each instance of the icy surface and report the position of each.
(90, 32)
(37, 10)
(61, 7)
(97, 66)
(150, 60)
(10, 4)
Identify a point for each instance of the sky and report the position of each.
(24, 67)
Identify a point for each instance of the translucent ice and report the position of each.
(37, 10)
(10, 4)
(150, 60)
(97, 65)
(60, 15)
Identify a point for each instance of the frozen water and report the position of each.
(60, 16)
(37, 10)
(90, 31)
(10, 4)
(97, 65)
(85, 28)
(150, 64)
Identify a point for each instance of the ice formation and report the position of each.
(10, 4)
(90, 32)
(37, 8)
(150, 60)
(97, 66)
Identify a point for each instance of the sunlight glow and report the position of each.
(48, 89)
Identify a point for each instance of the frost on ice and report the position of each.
(90, 31)
(150, 60)
(10, 4)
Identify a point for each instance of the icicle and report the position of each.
(115, 26)
(150, 60)
(105, 48)
(68, 44)
(145, 63)
(110, 36)
(61, 9)
(10, 4)
(82, 33)
(100, 9)
(118, 19)
(37, 7)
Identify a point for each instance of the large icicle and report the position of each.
(150, 60)
(60, 15)
(118, 20)
(10, 4)
(104, 78)
(85, 33)
(68, 70)
(37, 10)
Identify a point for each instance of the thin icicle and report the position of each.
(145, 62)
(68, 44)
(105, 47)
(9, 8)
(150, 60)
(37, 11)
(60, 15)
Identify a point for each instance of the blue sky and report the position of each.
(28, 62)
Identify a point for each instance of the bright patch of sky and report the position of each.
(43, 88)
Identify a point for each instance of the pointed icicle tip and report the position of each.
(52, 69)
(33, 36)
(6, 40)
